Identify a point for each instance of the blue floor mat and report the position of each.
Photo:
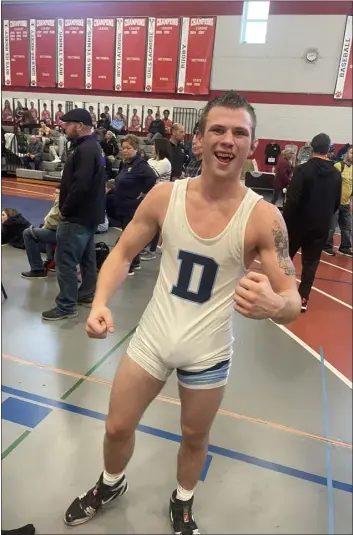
(34, 210)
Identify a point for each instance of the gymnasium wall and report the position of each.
(293, 99)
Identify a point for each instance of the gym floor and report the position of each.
(280, 455)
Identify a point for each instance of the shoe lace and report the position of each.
(184, 518)
(90, 501)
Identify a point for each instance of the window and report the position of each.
(254, 25)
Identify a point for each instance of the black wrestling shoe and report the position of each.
(86, 506)
(181, 516)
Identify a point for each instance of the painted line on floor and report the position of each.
(96, 366)
(325, 294)
(6, 190)
(206, 467)
(334, 265)
(23, 413)
(15, 443)
(175, 401)
(330, 498)
(173, 437)
(315, 354)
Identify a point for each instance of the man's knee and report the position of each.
(118, 428)
(194, 436)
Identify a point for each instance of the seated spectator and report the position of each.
(194, 165)
(104, 122)
(21, 141)
(57, 149)
(144, 155)
(110, 146)
(35, 238)
(34, 154)
(284, 172)
(156, 129)
(180, 154)
(161, 157)
(12, 226)
(45, 132)
(134, 181)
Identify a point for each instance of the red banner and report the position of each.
(71, 53)
(43, 52)
(16, 48)
(100, 40)
(162, 54)
(195, 58)
(130, 53)
(344, 83)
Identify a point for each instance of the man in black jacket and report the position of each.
(313, 196)
(82, 208)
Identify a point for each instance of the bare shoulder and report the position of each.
(265, 223)
(156, 202)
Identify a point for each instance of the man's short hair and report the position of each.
(233, 101)
(321, 144)
(132, 140)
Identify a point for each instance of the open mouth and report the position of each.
(224, 157)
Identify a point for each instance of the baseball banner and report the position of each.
(71, 53)
(130, 53)
(43, 52)
(100, 40)
(344, 83)
(195, 57)
(16, 52)
(162, 54)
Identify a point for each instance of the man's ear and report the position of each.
(253, 147)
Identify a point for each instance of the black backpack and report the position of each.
(102, 252)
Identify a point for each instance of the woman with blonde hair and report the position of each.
(284, 172)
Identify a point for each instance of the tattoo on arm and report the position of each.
(280, 237)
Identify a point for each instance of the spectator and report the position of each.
(57, 149)
(82, 208)
(45, 132)
(194, 166)
(134, 180)
(313, 196)
(155, 130)
(107, 114)
(161, 157)
(34, 154)
(342, 152)
(12, 226)
(110, 146)
(331, 154)
(343, 216)
(34, 238)
(21, 140)
(144, 155)
(179, 153)
(104, 122)
(283, 174)
(167, 122)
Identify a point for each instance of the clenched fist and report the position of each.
(100, 322)
(255, 299)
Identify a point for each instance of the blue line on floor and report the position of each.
(224, 452)
(21, 412)
(206, 468)
(330, 498)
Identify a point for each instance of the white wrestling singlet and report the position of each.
(188, 323)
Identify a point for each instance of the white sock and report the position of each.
(184, 495)
(111, 479)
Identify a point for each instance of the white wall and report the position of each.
(297, 123)
(279, 64)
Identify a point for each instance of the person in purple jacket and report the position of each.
(284, 172)
(135, 179)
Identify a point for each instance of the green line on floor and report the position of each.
(14, 445)
(96, 366)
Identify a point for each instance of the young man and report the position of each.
(313, 196)
(343, 217)
(215, 223)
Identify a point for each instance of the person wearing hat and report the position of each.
(82, 209)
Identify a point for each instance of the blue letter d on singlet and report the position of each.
(207, 278)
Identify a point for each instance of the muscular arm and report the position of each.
(135, 237)
(273, 249)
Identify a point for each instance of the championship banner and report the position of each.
(43, 52)
(195, 58)
(71, 53)
(162, 54)
(344, 83)
(130, 53)
(16, 52)
(100, 41)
